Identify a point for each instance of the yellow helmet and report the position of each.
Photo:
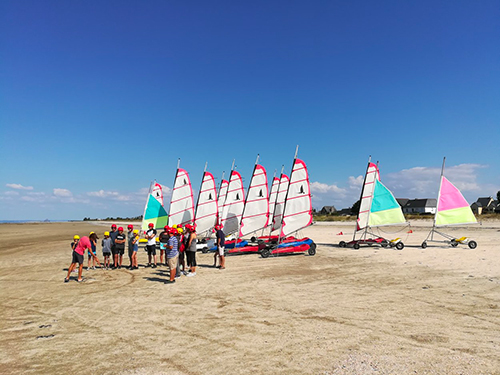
(106, 233)
(174, 226)
(91, 233)
(76, 237)
(180, 230)
(136, 231)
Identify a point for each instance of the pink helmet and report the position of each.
(120, 229)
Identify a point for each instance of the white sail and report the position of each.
(206, 206)
(256, 210)
(280, 202)
(182, 203)
(371, 175)
(272, 198)
(233, 204)
(297, 213)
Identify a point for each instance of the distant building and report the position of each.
(484, 205)
(344, 212)
(420, 206)
(328, 210)
(402, 201)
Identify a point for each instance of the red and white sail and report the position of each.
(256, 210)
(297, 213)
(157, 193)
(182, 202)
(372, 174)
(206, 207)
(272, 198)
(221, 198)
(234, 203)
(280, 201)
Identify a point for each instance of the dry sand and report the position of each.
(370, 311)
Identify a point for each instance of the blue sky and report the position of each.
(98, 98)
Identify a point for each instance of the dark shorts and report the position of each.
(113, 249)
(77, 258)
(120, 250)
(106, 254)
(191, 258)
(151, 249)
(90, 256)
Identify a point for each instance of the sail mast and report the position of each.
(439, 192)
(287, 191)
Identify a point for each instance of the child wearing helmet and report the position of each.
(130, 238)
(135, 249)
(106, 249)
(93, 249)
(119, 247)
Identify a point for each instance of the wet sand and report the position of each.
(342, 311)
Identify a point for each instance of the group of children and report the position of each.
(177, 244)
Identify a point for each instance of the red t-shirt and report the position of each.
(82, 245)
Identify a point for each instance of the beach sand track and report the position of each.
(342, 311)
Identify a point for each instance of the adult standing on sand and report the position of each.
(113, 235)
(84, 244)
(151, 246)
(220, 248)
(191, 250)
(172, 254)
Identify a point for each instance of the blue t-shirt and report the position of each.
(172, 241)
(220, 234)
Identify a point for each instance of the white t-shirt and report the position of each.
(151, 232)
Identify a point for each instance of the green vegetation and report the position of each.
(137, 218)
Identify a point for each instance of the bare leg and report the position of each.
(222, 261)
(80, 272)
(70, 269)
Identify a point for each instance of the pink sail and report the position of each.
(233, 204)
(182, 202)
(450, 197)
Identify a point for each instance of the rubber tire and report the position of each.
(424, 245)
(400, 246)
(265, 253)
(253, 239)
(454, 243)
(355, 246)
(204, 250)
(472, 244)
(342, 244)
(312, 249)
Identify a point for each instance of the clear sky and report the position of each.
(98, 98)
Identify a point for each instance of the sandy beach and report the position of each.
(342, 311)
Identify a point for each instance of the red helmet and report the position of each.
(120, 229)
(151, 225)
(130, 226)
(217, 227)
(173, 231)
(113, 226)
(166, 227)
